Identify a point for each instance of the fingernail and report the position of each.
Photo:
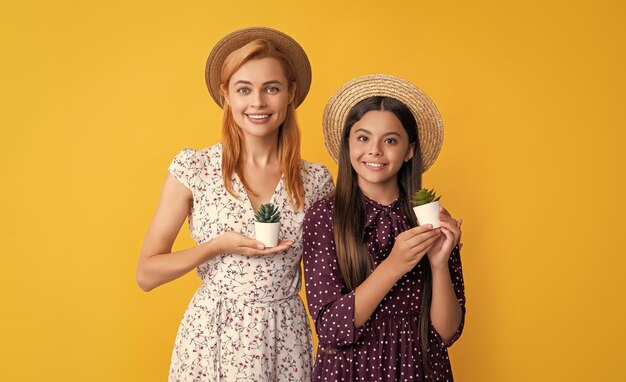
(260, 246)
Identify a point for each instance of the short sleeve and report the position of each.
(326, 185)
(320, 180)
(456, 275)
(331, 304)
(184, 166)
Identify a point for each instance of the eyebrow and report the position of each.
(370, 133)
(264, 83)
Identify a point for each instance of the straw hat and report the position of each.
(429, 124)
(237, 39)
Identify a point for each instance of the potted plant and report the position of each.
(267, 224)
(426, 207)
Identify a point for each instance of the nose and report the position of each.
(374, 149)
(258, 100)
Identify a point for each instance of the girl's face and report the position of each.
(258, 95)
(379, 145)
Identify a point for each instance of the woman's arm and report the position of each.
(158, 265)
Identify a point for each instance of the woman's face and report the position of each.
(258, 95)
(379, 145)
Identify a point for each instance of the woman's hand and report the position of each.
(410, 247)
(233, 242)
(439, 253)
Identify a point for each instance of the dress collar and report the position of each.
(378, 206)
(382, 224)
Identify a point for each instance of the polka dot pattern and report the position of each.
(388, 346)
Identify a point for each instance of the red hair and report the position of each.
(234, 143)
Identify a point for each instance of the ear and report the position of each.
(224, 93)
(292, 92)
(410, 153)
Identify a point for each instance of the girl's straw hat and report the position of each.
(429, 125)
(237, 39)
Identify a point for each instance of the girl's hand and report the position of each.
(410, 247)
(233, 242)
(439, 253)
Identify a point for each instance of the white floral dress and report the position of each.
(246, 321)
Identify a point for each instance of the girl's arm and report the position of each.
(339, 313)
(330, 302)
(446, 313)
(408, 250)
(445, 310)
(158, 265)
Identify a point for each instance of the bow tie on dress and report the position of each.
(382, 225)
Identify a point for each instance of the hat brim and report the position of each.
(429, 123)
(282, 42)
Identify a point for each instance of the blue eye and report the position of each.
(243, 90)
(272, 89)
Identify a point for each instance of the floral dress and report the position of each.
(388, 346)
(246, 322)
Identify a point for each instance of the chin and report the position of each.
(259, 133)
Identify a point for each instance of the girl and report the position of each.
(246, 321)
(387, 296)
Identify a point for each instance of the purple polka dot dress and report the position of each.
(388, 346)
(246, 321)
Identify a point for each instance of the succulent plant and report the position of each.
(267, 213)
(424, 196)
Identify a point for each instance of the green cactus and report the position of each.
(267, 213)
(424, 196)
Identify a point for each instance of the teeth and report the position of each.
(258, 116)
(374, 164)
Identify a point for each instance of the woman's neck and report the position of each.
(262, 151)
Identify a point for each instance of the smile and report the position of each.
(374, 165)
(258, 117)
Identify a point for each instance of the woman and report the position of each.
(246, 321)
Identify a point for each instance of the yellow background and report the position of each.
(98, 96)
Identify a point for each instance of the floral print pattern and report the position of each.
(246, 321)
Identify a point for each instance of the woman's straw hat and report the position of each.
(429, 124)
(282, 42)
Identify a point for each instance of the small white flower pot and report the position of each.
(267, 233)
(428, 214)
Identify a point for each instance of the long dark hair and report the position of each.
(355, 262)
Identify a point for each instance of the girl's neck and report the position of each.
(384, 194)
